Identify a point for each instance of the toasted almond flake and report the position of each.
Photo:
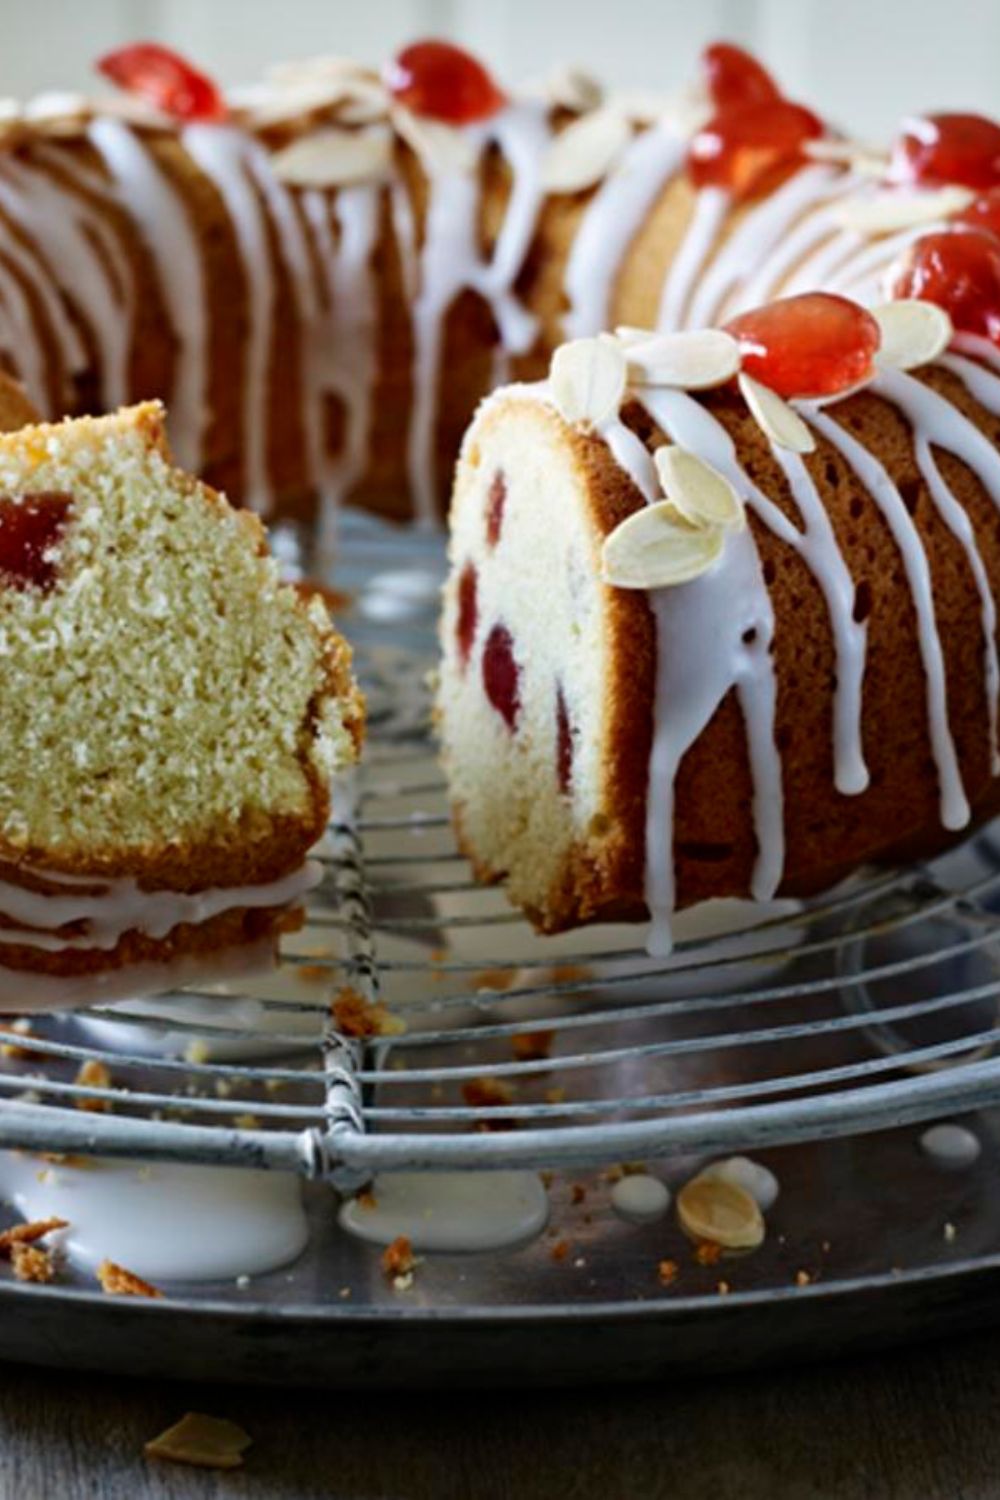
(913, 333)
(574, 88)
(900, 208)
(94, 1074)
(585, 151)
(689, 361)
(700, 493)
(443, 150)
(334, 158)
(205, 1442)
(779, 423)
(717, 1212)
(27, 1234)
(656, 547)
(587, 380)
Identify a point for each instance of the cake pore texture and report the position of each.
(172, 711)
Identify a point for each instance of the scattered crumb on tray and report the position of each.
(205, 1442)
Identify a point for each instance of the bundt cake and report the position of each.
(721, 618)
(172, 716)
(322, 276)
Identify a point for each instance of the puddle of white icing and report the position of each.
(640, 1198)
(752, 1176)
(165, 1221)
(951, 1145)
(451, 1210)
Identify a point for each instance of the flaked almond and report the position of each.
(689, 361)
(574, 88)
(867, 160)
(656, 548)
(900, 208)
(443, 151)
(913, 333)
(334, 158)
(587, 380)
(585, 151)
(714, 1211)
(205, 1442)
(779, 423)
(702, 495)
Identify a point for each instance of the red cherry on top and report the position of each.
(444, 82)
(735, 78)
(813, 345)
(960, 272)
(165, 80)
(984, 213)
(935, 149)
(740, 148)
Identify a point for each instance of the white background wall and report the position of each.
(862, 62)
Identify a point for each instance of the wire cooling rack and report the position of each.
(871, 1007)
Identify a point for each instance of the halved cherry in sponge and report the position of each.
(496, 501)
(468, 612)
(444, 82)
(31, 528)
(960, 271)
(817, 344)
(502, 675)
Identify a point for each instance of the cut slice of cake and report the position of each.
(173, 714)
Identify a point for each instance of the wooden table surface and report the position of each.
(921, 1424)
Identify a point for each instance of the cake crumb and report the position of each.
(723, 1289)
(118, 1282)
(27, 1234)
(20, 1026)
(578, 1194)
(204, 1442)
(949, 1233)
(708, 1253)
(481, 1093)
(560, 1250)
(354, 1016)
(366, 1199)
(31, 1263)
(803, 1278)
(532, 1046)
(398, 1261)
(667, 1271)
(94, 1074)
(494, 979)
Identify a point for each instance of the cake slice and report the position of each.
(172, 716)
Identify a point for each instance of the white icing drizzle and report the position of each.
(610, 222)
(450, 263)
(762, 230)
(954, 805)
(121, 905)
(67, 232)
(710, 209)
(222, 152)
(168, 234)
(936, 423)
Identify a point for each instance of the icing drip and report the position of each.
(450, 262)
(222, 153)
(610, 223)
(936, 422)
(85, 261)
(344, 347)
(169, 237)
(954, 806)
(121, 906)
(762, 231)
(710, 210)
